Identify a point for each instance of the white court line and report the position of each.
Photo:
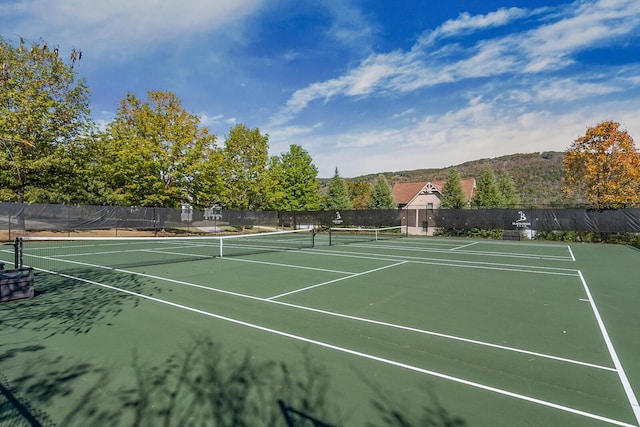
(463, 246)
(335, 280)
(359, 354)
(253, 261)
(330, 313)
(451, 263)
(571, 253)
(430, 241)
(375, 322)
(478, 253)
(419, 260)
(612, 352)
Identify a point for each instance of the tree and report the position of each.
(245, 173)
(154, 153)
(452, 192)
(381, 196)
(298, 181)
(359, 193)
(44, 107)
(337, 195)
(507, 188)
(487, 193)
(604, 165)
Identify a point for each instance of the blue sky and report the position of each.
(364, 86)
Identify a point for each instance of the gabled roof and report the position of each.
(404, 192)
(468, 188)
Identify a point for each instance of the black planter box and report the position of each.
(16, 284)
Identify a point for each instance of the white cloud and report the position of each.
(349, 26)
(567, 90)
(121, 27)
(592, 23)
(405, 113)
(482, 128)
(547, 47)
(466, 24)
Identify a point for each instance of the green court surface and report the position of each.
(410, 331)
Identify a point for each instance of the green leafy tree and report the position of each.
(44, 108)
(507, 188)
(452, 192)
(207, 185)
(604, 166)
(487, 192)
(381, 195)
(337, 195)
(153, 153)
(298, 181)
(245, 169)
(359, 193)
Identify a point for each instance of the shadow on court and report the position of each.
(200, 385)
(63, 305)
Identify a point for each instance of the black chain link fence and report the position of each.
(557, 224)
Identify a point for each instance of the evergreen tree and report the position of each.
(452, 192)
(510, 197)
(337, 195)
(381, 196)
(487, 193)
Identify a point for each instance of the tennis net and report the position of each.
(65, 253)
(344, 235)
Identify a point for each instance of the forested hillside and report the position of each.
(538, 176)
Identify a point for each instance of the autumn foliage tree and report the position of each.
(360, 193)
(604, 166)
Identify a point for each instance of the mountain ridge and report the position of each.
(537, 176)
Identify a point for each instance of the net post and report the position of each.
(220, 253)
(330, 232)
(17, 262)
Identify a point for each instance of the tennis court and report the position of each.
(399, 331)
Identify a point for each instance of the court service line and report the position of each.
(612, 352)
(463, 246)
(277, 264)
(429, 241)
(467, 252)
(571, 253)
(358, 354)
(335, 280)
